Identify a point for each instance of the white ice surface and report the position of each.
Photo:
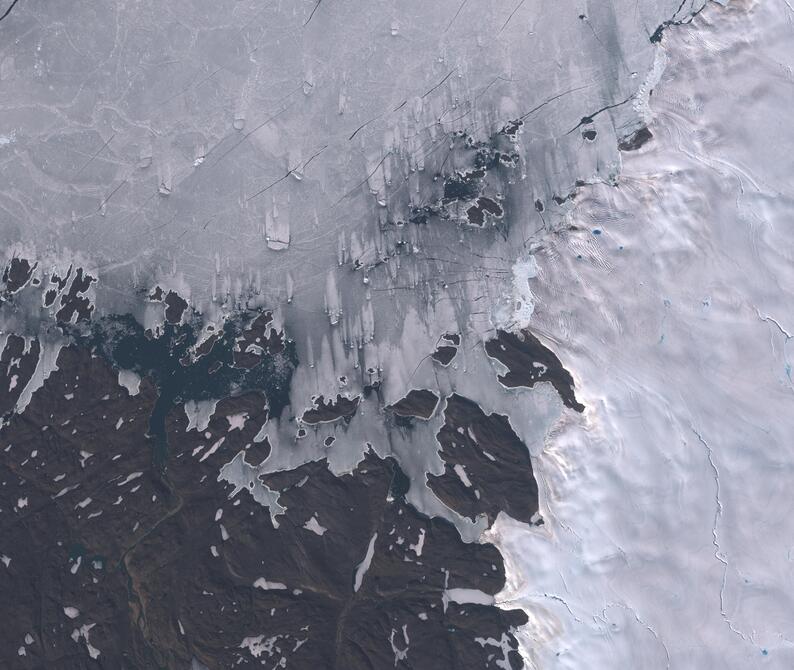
(464, 596)
(361, 568)
(45, 366)
(314, 526)
(131, 381)
(262, 583)
(198, 139)
(199, 413)
(669, 536)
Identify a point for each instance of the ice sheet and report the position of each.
(668, 534)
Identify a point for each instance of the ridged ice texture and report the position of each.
(669, 534)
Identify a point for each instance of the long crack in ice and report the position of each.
(715, 539)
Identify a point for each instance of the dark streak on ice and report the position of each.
(586, 120)
(659, 32)
(8, 11)
(449, 74)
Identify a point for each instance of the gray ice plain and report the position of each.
(261, 155)
(285, 166)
